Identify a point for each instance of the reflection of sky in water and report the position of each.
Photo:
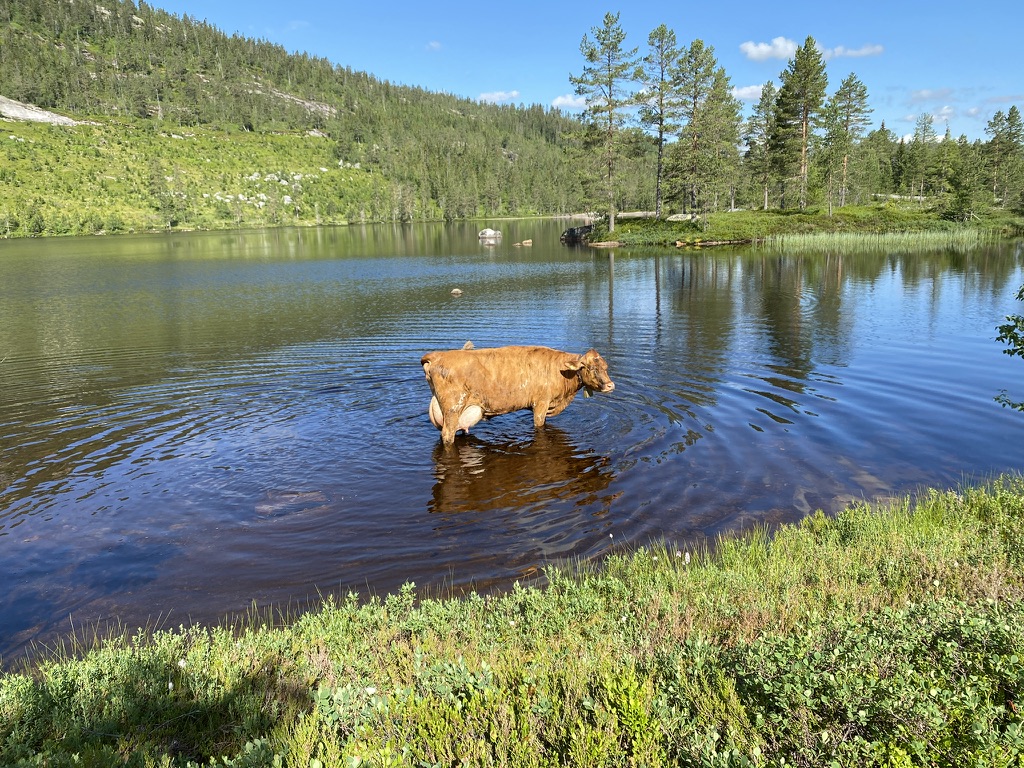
(188, 432)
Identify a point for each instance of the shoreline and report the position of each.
(892, 622)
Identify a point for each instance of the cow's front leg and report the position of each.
(457, 417)
(449, 426)
(540, 413)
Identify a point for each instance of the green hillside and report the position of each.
(184, 126)
(167, 122)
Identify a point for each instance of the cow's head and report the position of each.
(593, 372)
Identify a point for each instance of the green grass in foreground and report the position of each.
(890, 635)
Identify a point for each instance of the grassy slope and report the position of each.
(124, 176)
(887, 636)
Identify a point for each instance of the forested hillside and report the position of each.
(189, 126)
(180, 125)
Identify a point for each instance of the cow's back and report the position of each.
(499, 379)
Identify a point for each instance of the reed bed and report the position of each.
(955, 238)
(890, 634)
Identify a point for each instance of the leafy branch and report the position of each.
(1011, 333)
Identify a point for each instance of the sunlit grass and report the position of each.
(891, 634)
(957, 239)
(876, 225)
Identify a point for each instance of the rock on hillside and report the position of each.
(15, 110)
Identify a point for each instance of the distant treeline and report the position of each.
(369, 150)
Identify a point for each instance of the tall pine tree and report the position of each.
(852, 112)
(801, 96)
(658, 98)
(604, 84)
(757, 135)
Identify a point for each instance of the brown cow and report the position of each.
(473, 384)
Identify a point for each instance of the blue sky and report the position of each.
(960, 62)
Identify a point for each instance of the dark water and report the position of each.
(190, 424)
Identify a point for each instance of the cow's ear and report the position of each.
(573, 365)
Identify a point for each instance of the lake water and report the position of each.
(191, 424)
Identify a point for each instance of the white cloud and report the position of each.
(433, 45)
(929, 95)
(1006, 99)
(853, 53)
(747, 92)
(778, 48)
(784, 48)
(497, 97)
(569, 101)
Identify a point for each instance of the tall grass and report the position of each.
(889, 635)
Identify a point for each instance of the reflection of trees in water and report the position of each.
(795, 301)
(479, 476)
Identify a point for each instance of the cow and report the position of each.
(471, 384)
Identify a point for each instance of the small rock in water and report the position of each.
(456, 291)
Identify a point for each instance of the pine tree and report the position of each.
(874, 163)
(850, 103)
(658, 98)
(800, 99)
(946, 160)
(695, 77)
(1006, 155)
(757, 135)
(921, 155)
(964, 181)
(833, 150)
(606, 75)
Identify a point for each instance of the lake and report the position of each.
(193, 424)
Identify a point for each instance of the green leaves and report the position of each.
(1011, 333)
(937, 678)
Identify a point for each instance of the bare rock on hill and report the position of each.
(16, 110)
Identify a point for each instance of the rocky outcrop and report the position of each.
(16, 110)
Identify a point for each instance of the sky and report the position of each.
(959, 62)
